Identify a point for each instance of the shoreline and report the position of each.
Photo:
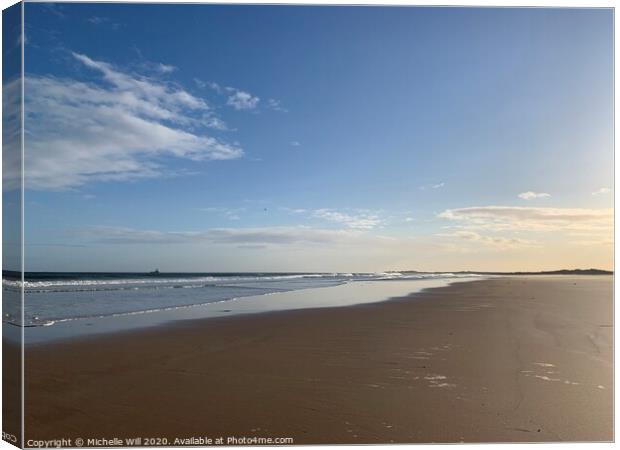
(347, 294)
(514, 359)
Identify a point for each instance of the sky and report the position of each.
(295, 138)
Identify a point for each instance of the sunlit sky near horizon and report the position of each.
(290, 138)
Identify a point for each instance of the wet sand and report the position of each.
(501, 360)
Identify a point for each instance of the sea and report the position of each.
(61, 305)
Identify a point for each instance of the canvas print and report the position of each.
(306, 224)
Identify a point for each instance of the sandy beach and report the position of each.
(506, 359)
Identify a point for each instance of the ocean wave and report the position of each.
(59, 300)
(184, 281)
(87, 285)
(35, 321)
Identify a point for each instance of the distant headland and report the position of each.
(543, 272)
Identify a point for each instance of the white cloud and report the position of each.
(165, 68)
(241, 100)
(276, 105)
(229, 213)
(498, 242)
(142, 87)
(215, 122)
(529, 195)
(358, 221)
(530, 218)
(216, 87)
(295, 143)
(602, 191)
(79, 132)
(294, 210)
(237, 236)
(55, 8)
(153, 68)
(201, 84)
(102, 20)
(433, 186)
(11, 134)
(97, 20)
(238, 99)
(503, 227)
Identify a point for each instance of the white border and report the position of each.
(476, 3)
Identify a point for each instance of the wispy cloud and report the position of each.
(531, 218)
(201, 84)
(97, 20)
(103, 20)
(276, 105)
(165, 68)
(237, 236)
(294, 210)
(229, 213)
(432, 186)
(361, 221)
(241, 100)
(512, 228)
(142, 87)
(295, 143)
(153, 69)
(55, 8)
(214, 86)
(117, 129)
(530, 195)
(498, 242)
(602, 191)
(11, 134)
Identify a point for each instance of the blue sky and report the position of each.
(229, 138)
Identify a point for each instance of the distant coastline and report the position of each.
(14, 275)
(543, 272)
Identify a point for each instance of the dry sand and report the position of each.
(507, 359)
